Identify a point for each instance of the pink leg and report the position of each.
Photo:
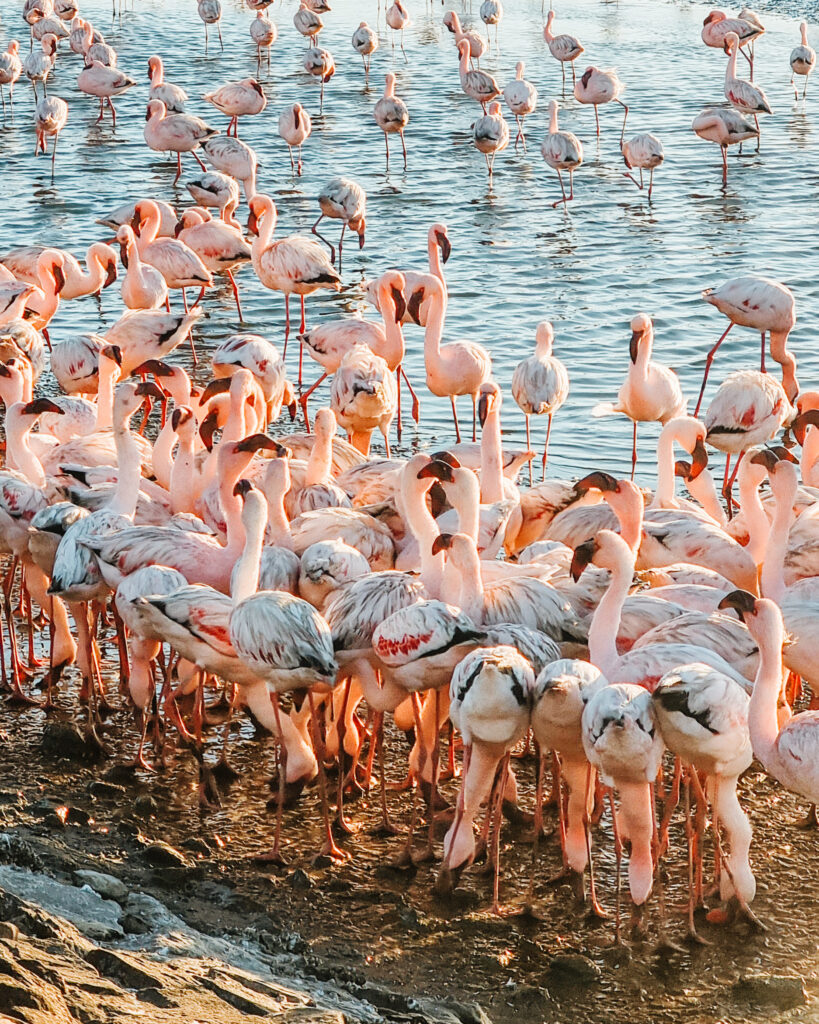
(708, 360)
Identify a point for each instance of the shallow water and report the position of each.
(515, 260)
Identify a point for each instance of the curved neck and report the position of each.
(394, 349)
(436, 267)
(548, 34)
(466, 500)
(126, 492)
(182, 475)
(149, 227)
(94, 276)
(18, 430)
(772, 578)
(424, 529)
(276, 485)
(157, 75)
(246, 580)
(703, 490)
(731, 66)
(763, 723)
(232, 504)
(491, 459)
(605, 623)
(267, 227)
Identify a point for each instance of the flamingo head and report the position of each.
(40, 406)
(439, 232)
(640, 327)
(731, 41)
(713, 17)
(154, 63)
(490, 400)
(438, 470)
(597, 481)
(809, 418)
(181, 416)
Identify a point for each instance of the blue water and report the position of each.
(515, 260)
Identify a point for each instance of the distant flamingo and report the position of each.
(319, 63)
(726, 127)
(171, 95)
(540, 385)
(50, 118)
(563, 48)
(521, 98)
(238, 99)
(345, 200)
(596, 87)
(478, 85)
(803, 60)
(644, 152)
(179, 133)
(392, 116)
(746, 97)
(398, 19)
(562, 151)
(477, 45)
(365, 41)
(490, 134)
(295, 127)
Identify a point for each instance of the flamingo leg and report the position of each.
(563, 191)
(455, 418)
(303, 399)
(762, 361)
(233, 285)
(403, 148)
(546, 449)
(708, 360)
(416, 405)
(634, 450)
(326, 241)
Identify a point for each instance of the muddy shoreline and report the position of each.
(375, 933)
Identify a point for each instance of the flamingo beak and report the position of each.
(443, 542)
(634, 345)
(437, 470)
(398, 299)
(581, 557)
(483, 409)
(699, 459)
(741, 601)
(41, 405)
(113, 352)
(597, 481)
(59, 278)
(111, 274)
(252, 223)
(445, 245)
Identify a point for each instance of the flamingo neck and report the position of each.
(394, 349)
(232, 507)
(772, 579)
(553, 120)
(94, 276)
(763, 723)
(605, 622)
(472, 592)
(18, 432)
(466, 500)
(126, 492)
(664, 496)
(704, 491)
(731, 67)
(424, 529)
(436, 267)
(266, 227)
(157, 75)
(149, 228)
(108, 376)
(48, 285)
(278, 525)
(182, 475)
(246, 581)
(162, 459)
(320, 461)
(491, 460)
(809, 461)
(758, 526)
(628, 507)
(434, 330)
(548, 33)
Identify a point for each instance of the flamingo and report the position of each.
(345, 200)
(103, 82)
(365, 42)
(491, 12)
(392, 116)
(179, 133)
(125, 214)
(143, 287)
(767, 306)
(363, 396)
(540, 385)
(218, 244)
(563, 48)
(101, 261)
(717, 26)
(295, 127)
(293, 265)
(726, 127)
(748, 409)
(232, 156)
(50, 117)
(478, 85)
(173, 96)
(744, 96)
(11, 67)
(651, 392)
(562, 151)
(802, 60)
(521, 98)
(238, 99)
(490, 134)
(457, 368)
(416, 300)
(319, 63)
(398, 19)
(644, 152)
(210, 11)
(307, 22)
(595, 86)
(477, 46)
(264, 33)
(214, 189)
(39, 64)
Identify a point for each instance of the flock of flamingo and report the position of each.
(320, 587)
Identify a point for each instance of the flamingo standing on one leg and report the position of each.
(562, 151)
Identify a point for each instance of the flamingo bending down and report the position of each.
(292, 265)
(651, 392)
(345, 200)
(562, 151)
(726, 127)
(365, 41)
(232, 156)
(179, 133)
(767, 306)
(319, 63)
(457, 368)
(596, 87)
(392, 116)
(644, 152)
(540, 385)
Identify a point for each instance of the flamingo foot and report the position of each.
(447, 880)
(811, 820)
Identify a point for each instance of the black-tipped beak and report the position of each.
(400, 304)
(113, 352)
(483, 409)
(252, 223)
(741, 601)
(219, 386)
(437, 470)
(444, 244)
(682, 469)
(123, 254)
(783, 454)
(207, 428)
(257, 443)
(765, 458)
(597, 481)
(150, 390)
(242, 489)
(157, 367)
(179, 226)
(111, 274)
(179, 416)
(802, 422)
(581, 557)
(634, 345)
(443, 542)
(4, 370)
(699, 459)
(59, 278)
(41, 405)
(446, 457)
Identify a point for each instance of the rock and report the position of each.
(198, 846)
(571, 968)
(64, 740)
(94, 917)
(468, 1013)
(777, 990)
(14, 850)
(131, 971)
(105, 790)
(163, 855)
(107, 886)
(299, 879)
(9, 931)
(145, 806)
